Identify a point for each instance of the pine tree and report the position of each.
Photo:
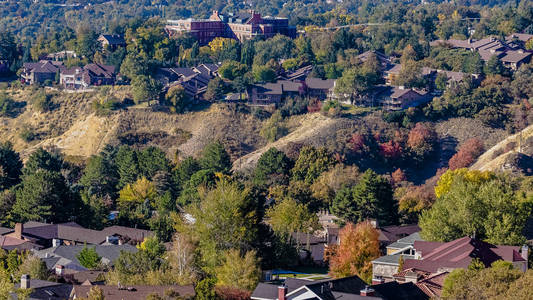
(10, 167)
(216, 158)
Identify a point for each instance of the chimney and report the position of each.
(374, 222)
(59, 269)
(19, 228)
(25, 281)
(367, 292)
(56, 242)
(282, 292)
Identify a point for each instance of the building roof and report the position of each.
(4, 230)
(44, 66)
(100, 70)
(406, 241)
(68, 254)
(397, 291)
(458, 254)
(134, 291)
(396, 232)
(114, 39)
(393, 259)
(515, 56)
(519, 36)
(319, 84)
(432, 284)
(48, 290)
(12, 243)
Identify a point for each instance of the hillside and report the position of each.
(511, 153)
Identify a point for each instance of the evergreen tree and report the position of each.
(88, 258)
(127, 166)
(216, 158)
(44, 196)
(10, 167)
(272, 167)
(152, 160)
(99, 177)
(42, 159)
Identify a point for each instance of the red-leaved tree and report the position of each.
(467, 154)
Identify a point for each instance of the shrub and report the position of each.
(6, 105)
(466, 155)
(42, 102)
(27, 134)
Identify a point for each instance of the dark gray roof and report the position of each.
(406, 241)
(265, 291)
(391, 259)
(319, 84)
(68, 254)
(114, 39)
(47, 290)
(405, 291)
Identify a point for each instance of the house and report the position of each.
(111, 41)
(321, 89)
(193, 80)
(384, 267)
(344, 288)
(113, 292)
(437, 256)
(298, 74)
(241, 26)
(42, 289)
(399, 98)
(9, 243)
(510, 50)
(89, 75)
(207, 70)
(273, 93)
(430, 283)
(40, 72)
(48, 235)
(66, 256)
(59, 56)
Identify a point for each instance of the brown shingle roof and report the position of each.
(396, 232)
(319, 84)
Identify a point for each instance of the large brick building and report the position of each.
(240, 26)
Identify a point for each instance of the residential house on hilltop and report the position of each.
(193, 80)
(273, 93)
(59, 56)
(43, 290)
(40, 72)
(511, 53)
(89, 75)
(241, 26)
(399, 98)
(322, 89)
(113, 41)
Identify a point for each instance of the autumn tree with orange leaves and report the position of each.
(358, 247)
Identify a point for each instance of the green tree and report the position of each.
(441, 81)
(274, 128)
(42, 159)
(371, 198)
(264, 74)
(8, 46)
(87, 44)
(185, 169)
(289, 216)
(216, 88)
(177, 99)
(494, 66)
(145, 88)
(311, 163)
(10, 166)
(88, 258)
(488, 208)
(99, 177)
(152, 160)
(231, 69)
(238, 271)
(273, 167)
(216, 158)
(226, 218)
(127, 165)
(43, 196)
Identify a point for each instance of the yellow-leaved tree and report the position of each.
(137, 193)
